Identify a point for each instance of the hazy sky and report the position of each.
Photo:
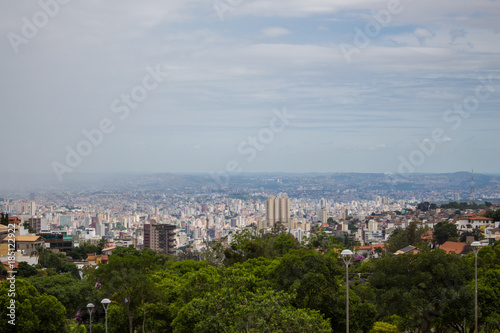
(196, 86)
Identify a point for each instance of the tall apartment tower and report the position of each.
(277, 210)
(159, 237)
(322, 215)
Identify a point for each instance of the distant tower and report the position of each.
(472, 192)
(277, 209)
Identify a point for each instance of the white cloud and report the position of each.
(275, 32)
(225, 78)
(422, 35)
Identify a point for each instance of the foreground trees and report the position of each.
(268, 283)
(426, 290)
(34, 312)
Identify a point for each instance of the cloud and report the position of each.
(226, 77)
(275, 32)
(422, 35)
(457, 33)
(379, 146)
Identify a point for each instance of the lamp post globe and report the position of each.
(105, 303)
(90, 309)
(346, 257)
(475, 247)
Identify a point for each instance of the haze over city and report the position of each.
(249, 86)
(299, 166)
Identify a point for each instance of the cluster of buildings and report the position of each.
(166, 223)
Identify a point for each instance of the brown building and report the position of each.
(159, 237)
(58, 241)
(35, 223)
(14, 220)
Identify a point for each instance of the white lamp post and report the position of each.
(90, 309)
(346, 257)
(475, 247)
(105, 303)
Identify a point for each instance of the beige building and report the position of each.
(278, 210)
(25, 244)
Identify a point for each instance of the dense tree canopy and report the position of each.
(401, 238)
(494, 214)
(265, 283)
(445, 231)
(426, 290)
(34, 312)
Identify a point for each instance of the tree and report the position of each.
(71, 292)
(126, 279)
(26, 270)
(81, 252)
(4, 219)
(57, 261)
(101, 245)
(314, 279)
(381, 327)
(423, 206)
(34, 312)
(234, 310)
(494, 214)
(251, 243)
(428, 289)
(444, 231)
(401, 238)
(41, 253)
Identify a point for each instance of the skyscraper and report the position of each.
(159, 237)
(322, 215)
(277, 210)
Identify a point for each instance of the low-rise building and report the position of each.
(471, 222)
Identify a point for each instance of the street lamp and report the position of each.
(90, 309)
(105, 303)
(346, 257)
(475, 247)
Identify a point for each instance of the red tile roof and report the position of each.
(7, 264)
(428, 235)
(455, 247)
(477, 217)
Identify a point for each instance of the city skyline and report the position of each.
(230, 87)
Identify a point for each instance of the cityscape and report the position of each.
(189, 216)
(284, 166)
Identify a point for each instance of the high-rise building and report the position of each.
(372, 225)
(32, 208)
(277, 210)
(322, 215)
(159, 237)
(322, 203)
(35, 224)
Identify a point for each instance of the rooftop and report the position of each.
(458, 248)
(25, 238)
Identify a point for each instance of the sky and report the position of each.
(230, 86)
